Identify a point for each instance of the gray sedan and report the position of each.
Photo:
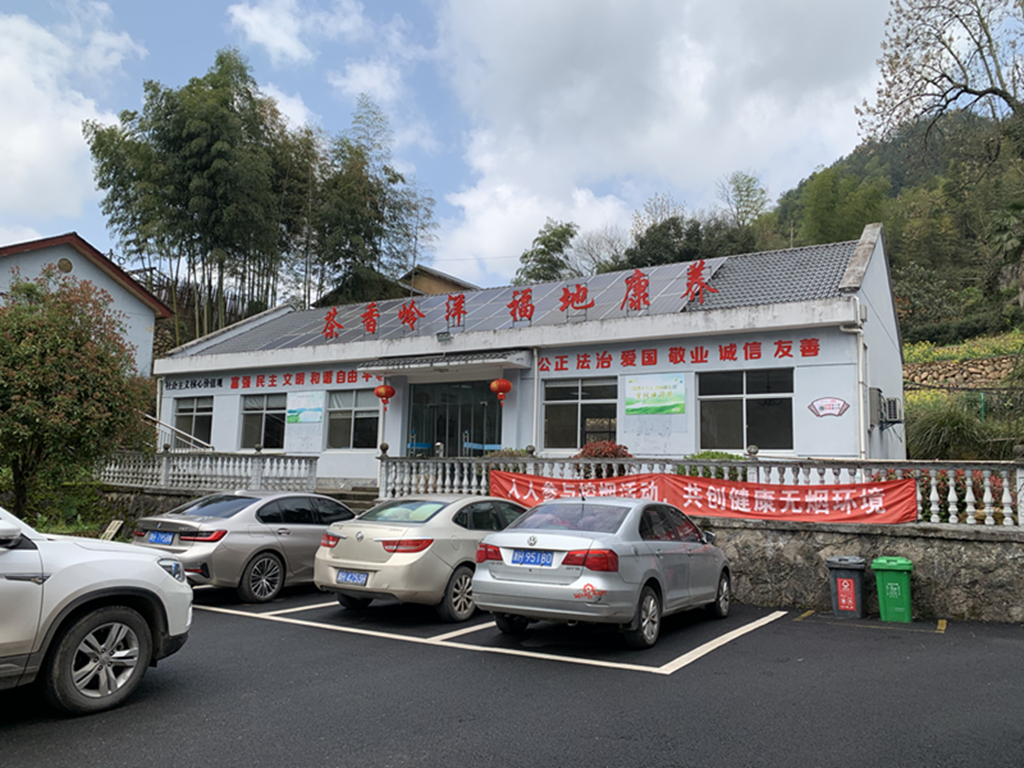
(254, 541)
(603, 560)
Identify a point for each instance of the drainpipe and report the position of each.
(862, 427)
(536, 393)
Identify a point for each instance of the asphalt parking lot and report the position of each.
(302, 682)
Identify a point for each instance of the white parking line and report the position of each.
(440, 641)
(332, 604)
(461, 632)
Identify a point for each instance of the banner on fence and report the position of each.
(892, 501)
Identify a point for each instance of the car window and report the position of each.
(573, 517)
(214, 506)
(508, 511)
(405, 510)
(331, 511)
(298, 511)
(654, 526)
(685, 530)
(461, 518)
(270, 514)
(484, 517)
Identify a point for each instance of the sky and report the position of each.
(505, 113)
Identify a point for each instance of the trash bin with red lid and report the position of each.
(847, 576)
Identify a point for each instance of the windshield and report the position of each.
(594, 518)
(214, 506)
(405, 511)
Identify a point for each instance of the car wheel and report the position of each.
(354, 603)
(457, 603)
(511, 625)
(720, 608)
(648, 621)
(98, 661)
(262, 579)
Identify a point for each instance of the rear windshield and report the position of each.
(214, 506)
(595, 518)
(405, 511)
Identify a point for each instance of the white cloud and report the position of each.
(18, 234)
(572, 101)
(46, 163)
(381, 80)
(292, 106)
(282, 27)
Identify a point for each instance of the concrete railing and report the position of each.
(992, 496)
(206, 471)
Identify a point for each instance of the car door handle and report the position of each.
(283, 531)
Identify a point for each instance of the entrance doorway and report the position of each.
(463, 416)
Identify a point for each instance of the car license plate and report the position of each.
(160, 537)
(351, 577)
(541, 557)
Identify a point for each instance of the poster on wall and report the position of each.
(655, 394)
(304, 429)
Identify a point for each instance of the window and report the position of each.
(352, 418)
(740, 408)
(263, 421)
(193, 416)
(579, 411)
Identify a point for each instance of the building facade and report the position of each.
(796, 352)
(73, 256)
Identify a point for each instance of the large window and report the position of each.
(740, 408)
(193, 416)
(579, 411)
(352, 418)
(263, 421)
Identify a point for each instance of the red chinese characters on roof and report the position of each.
(574, 299)
(370, 317)
(521, 306)
(455, 308)
(695, 283)
(409, 314)
(331, 324)
(636, 291)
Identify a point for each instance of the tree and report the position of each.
(68, 388)
(940, 57)
(744, 197)
(597, 250)
(659, 208)
(546, 259)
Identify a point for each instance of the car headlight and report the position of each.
(173, 567)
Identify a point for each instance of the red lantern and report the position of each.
(501, 387)
(385, 392)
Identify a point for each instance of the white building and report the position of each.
(73, 256)
(794, 351)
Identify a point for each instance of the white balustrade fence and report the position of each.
(207, 471)
(971, 493)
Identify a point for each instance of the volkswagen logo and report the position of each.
(359, 536)
(531, 540)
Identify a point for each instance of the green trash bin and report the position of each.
(892, 577)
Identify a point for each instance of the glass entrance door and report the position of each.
(463, 416)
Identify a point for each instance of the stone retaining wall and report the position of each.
(960, 572)
(986, 372)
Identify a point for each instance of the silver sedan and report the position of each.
(603, 560)
(254, 541)
(416, 550)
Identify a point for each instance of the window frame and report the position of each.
(198, 411)
(354, 412)
(746, 398)
(580, 402)
(275, 413)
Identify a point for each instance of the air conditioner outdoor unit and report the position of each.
(892, 410)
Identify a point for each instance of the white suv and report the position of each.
(86, 617)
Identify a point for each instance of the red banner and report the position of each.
(892, 501)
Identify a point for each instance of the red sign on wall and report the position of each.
(892, 501)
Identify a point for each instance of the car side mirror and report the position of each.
(10, 535)
(709, 537)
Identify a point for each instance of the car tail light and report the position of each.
(137, 532)
(406, 545)
(203, 536)
(329, 540)
(486, 552)
(594, 559)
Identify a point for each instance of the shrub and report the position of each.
(719, 473)
(602, 449)
(944, 428)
